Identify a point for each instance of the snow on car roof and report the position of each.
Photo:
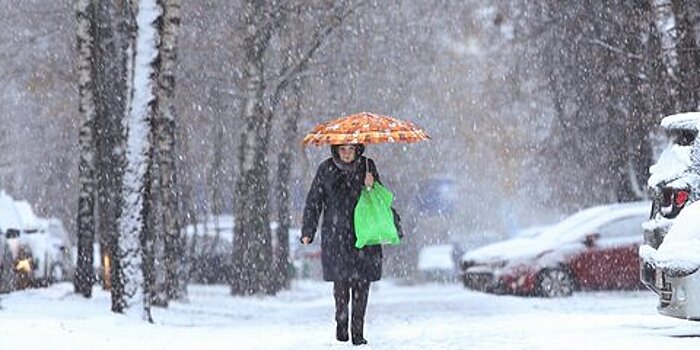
(571, 229)
(673, 167)
(436, 257)
(674, 161)
(9, 217)
(532, 231)
(681, 121)
(30, 222)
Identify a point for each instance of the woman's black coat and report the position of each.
(334, 192)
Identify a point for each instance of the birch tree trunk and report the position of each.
(86, 201)
(110, 58)
(165, 130)
(154, 225)
(135, 240)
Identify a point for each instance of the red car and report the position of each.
(596, 248)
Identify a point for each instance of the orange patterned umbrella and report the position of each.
(365, 128)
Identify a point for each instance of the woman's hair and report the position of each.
(359, 150)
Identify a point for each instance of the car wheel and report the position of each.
(554, 283)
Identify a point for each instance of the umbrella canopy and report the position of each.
(364, 128)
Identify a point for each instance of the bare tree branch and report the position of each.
(286, 76)
(615, 49)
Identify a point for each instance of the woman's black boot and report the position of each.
(341, 333)
(358, 340)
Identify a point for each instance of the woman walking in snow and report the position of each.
(335, 191)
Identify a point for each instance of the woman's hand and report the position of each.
(369, 180)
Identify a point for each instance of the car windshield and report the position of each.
(626, 226)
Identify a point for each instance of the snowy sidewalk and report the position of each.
(398, 317)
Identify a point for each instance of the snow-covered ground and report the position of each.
(430, 316)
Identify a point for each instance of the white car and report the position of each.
(38, 248)
(677, 266)
(6, 266)
(437, 263)
(210, 245)
(669, 257)
(49, 252)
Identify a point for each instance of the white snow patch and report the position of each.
(428, 316)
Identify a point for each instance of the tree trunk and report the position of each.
(187, 211)
(110, 58)
(165, 131)
(284, 169)
(252, 250)
(688, 55)
(154, 225)
(86, 202)
(665, 22)
(645, 96)
(136, 238)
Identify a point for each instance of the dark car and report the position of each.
(595, 248)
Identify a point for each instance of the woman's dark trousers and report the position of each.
(341, 294)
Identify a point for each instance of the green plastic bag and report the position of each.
(374, 219)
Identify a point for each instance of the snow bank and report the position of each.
(426, 316)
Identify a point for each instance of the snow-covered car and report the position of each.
(50, 251)
(595, 248)
(667, 267)
(6, 266)
(676, 264)
(436, 263)
(39, 248)
(210, 246)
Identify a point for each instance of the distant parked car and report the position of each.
(209, 248)
(49, 246)
(436, 263)
(595, 248)
(6, 267)
(39, 248)
(670, 262)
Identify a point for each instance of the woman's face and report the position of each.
(347, 153)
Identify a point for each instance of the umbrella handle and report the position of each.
(367, 170)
